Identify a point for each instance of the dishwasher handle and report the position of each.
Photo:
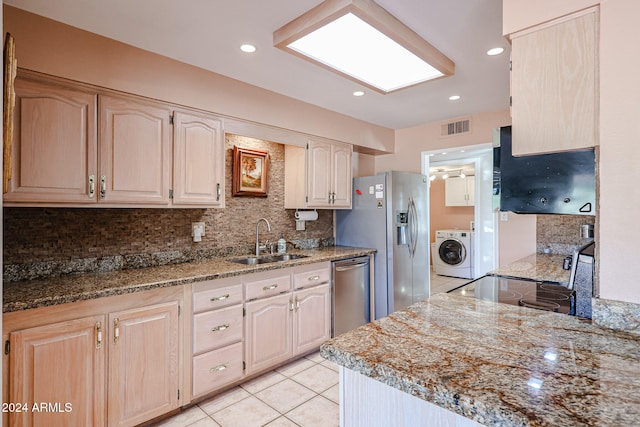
(351, 266)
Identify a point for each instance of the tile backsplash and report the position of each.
(561, 233)
(48, 241)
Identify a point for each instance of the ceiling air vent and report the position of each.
(455, 128)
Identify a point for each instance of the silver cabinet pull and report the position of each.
(297, 304)
(220, 298)
(92, 186)
(291, 307)
(220, 328)
(218, 368)
(313, 278)
(270, 288)
(116, 330)
(218, 192)
(98, 328)
(103, 186)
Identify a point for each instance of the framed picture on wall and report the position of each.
(250, 169)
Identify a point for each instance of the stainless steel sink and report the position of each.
(253, 260)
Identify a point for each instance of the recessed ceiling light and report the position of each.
(454, 97)
(495, 51)
(361, 41)
(249, 48)
(358, 93)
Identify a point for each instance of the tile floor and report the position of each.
(301, 394)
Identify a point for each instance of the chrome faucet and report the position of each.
(258, 234)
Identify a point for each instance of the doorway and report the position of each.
(477, 215)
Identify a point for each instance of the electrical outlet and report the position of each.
(199, 226)
(504, 216)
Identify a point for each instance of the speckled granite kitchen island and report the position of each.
(498, 364)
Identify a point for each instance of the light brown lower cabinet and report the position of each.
(113, 364)
(62, 364)
(287, 325)
(143, 364)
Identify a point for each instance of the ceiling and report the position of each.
(208, 33)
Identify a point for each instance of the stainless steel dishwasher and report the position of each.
(350, 297)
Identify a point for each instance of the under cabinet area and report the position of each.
(78, 145)
(106, 362)
(554, 85)
(460, 191)
(318, 176)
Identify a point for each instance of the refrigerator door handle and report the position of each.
(413, 224)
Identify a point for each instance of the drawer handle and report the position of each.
(220, 328)
(314, 278)
(218, 368)
(220, 298)
(270, 288)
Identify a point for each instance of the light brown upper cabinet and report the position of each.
(54, 149)
(319, 176)
(75, 145)
(198, 157)
(135, 152)
(554, 85)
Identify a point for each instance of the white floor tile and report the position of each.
(333, 393)
(263, 382)
(223, 400)
(205, 422)
(184, 418)
(285, 395)
(282, 422)
(318, 378)
(315, 357)
(329, 364)
(295, 367)
(249, 412)
(318, 412)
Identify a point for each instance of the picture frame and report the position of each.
(250, 172)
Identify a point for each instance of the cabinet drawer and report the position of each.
(212, 299)
(217, 368)
(312, 278)
(268, 287)
(215, 329)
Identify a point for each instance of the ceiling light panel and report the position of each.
(363, 42)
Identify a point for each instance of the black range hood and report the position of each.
(557, 183)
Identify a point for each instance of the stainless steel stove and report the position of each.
(521, 292)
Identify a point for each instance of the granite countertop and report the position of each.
(77, 287)
(539, 266)
(500, 364)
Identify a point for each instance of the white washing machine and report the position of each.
(453, 253)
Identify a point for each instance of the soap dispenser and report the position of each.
(282, 244)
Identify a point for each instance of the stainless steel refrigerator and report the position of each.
(391, 214)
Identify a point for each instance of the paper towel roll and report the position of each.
(306, 215)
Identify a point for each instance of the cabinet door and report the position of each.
(135, 152)
(455, 192)
(319, 174)
(554, 86)
(471, 190)
(198, 156)
(312, 318)
(268, 330)
(62, 365)
(143, 364)
(342, 176)
(54, 149)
